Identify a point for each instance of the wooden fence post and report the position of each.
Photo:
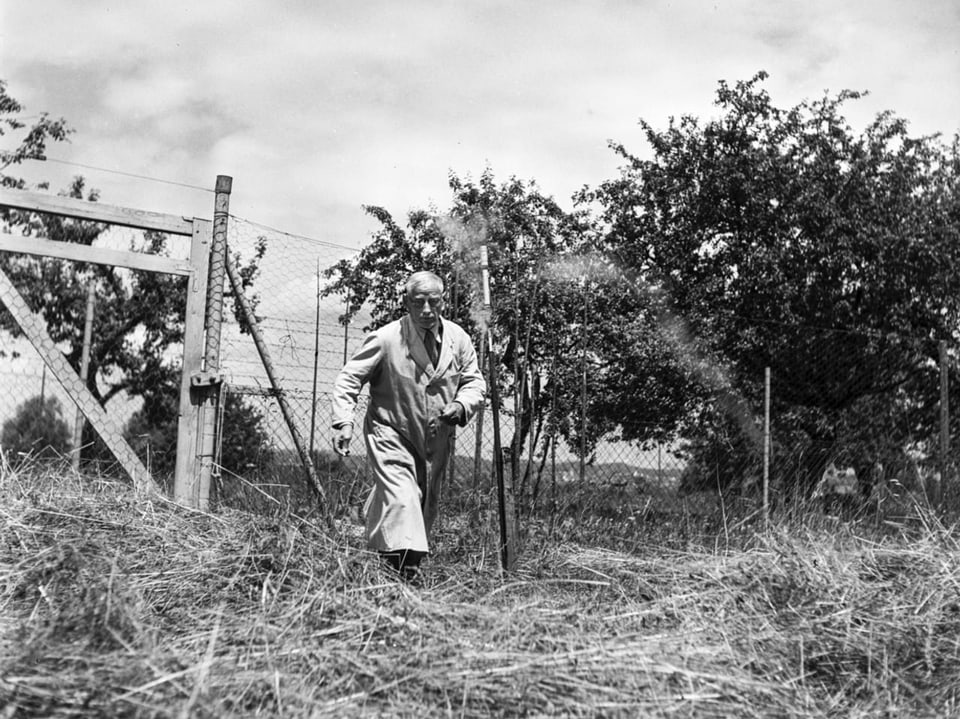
(187, 471)
(84, 371)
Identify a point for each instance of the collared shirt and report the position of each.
(437, 332)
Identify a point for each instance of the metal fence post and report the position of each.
(478, 436)
(208, 383)
(937, 497)
(766, 447)
(505, 503)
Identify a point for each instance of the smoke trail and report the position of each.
(581, 269)
(673, 330)
(710, 373)
(465, 237)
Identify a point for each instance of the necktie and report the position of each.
(430, 343)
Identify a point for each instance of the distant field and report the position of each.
(114, 605)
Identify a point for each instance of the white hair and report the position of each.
(419, 280)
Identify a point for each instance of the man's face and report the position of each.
(425, 305)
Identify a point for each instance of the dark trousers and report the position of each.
(406, 562)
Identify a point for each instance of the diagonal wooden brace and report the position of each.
(35, 329)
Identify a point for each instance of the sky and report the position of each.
(316, 108)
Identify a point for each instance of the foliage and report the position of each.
(32, 144)
(766, 222)
(538, 256)
(247, 273)
(139, 316)
(567, 322)
(37, 429)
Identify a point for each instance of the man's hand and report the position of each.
(452, 414)
(341, 439)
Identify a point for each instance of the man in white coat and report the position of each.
(424, 380)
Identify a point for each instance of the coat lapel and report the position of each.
(418, 353)
(446, 353)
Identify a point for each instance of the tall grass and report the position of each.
(114, 605)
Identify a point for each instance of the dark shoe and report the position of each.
(405, 562)
(392, 559)
(412, 576)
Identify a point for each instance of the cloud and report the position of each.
(319, 108)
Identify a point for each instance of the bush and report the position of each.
(37, 429)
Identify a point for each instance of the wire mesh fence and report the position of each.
(305, 344)
(308, 344)
(56, 371)
(863, 403)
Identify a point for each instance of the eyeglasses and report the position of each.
(421, 302)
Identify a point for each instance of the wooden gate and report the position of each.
(34, 327)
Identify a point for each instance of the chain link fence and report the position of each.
(41, 419)
(827, 416)
(869, 404)
(308, 344)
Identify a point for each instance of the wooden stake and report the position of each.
(84, 371)
(766, 448)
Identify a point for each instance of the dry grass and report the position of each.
(115, 606)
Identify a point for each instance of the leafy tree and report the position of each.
(561, 313)
(147, 305)
(139, 316)
(520, 228)
(37, 429)
(33, 143)
(764, 223)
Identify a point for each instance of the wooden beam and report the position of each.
(96, 255)
(35, 329)
(95, 212)
(186, 481)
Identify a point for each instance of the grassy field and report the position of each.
(114, 605)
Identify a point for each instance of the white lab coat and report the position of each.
(407, 448)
